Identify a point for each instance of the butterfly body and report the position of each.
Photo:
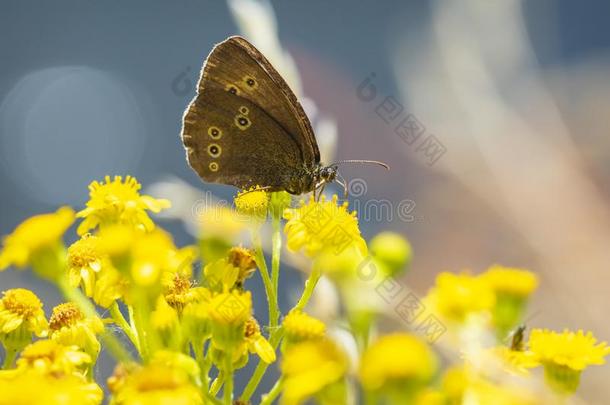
(246, 128)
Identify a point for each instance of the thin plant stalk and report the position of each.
(75, 295)
(276, 250)
(273, 393)
(274, 312)
(119, 319)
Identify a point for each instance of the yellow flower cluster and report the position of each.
(565, 355)
(323, 226)
(170, 378)
(49, 373)
(37, 242)
(397, 362)
(190, 329)
(499, 294)
(117, 201)
(253, 203)
(314, 368)
(69, 326)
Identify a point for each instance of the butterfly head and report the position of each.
(328, 174)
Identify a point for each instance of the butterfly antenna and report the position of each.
(375, 162)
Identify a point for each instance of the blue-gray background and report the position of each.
(89, 88)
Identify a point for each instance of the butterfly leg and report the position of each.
(320, 188)
(343, 183)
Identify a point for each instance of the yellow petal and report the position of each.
(264, 349)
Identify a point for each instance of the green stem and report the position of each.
(211, 399)
(273, 393)
(120, 320)
(75, 295)
(261, 367)
(132, 324)
(228, 388)
(204, 364)
(140, 317)
(370, 398)
(275, 263)
(276, 336)
(274, 312)
(217, 384)
(310, 285)
(9, 358)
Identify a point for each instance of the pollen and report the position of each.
(83, 252)
(252, 328)
(64, 315)
(253, 202)
(21, 302)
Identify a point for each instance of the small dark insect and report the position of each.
(518, 338)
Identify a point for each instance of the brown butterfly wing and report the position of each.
(280, 136)
(236, 63)
(231, 140)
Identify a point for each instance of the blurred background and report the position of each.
(493, 116)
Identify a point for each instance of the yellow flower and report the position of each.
(220, 228)
(482, 391)
(221, 222)
(181, 260)
(196, 318)
(309, 368)
(320, 226)
(180, 292)
(512, 287)
(244, 260)
(565, 355)
(231, 308)
(33, 388)
(511, 281)
(220, 275)
(299, 326)
(515, 361)
(35, 237)
(392, 251)
(85, 263)
(116, 242)
(397, 362)
(164, 319)
(69, 326)
(229, 313)
(430, 397)
(256, 343)
(178, 361)
(50, 357)
(463, 385)
(109, 287)
(156, 384)
(115, 201)
(455, 382)
(253, 203)
(455, 296)
(144, 256)
(150, 255)
(340, 266)
(21, 315)
(575, 350)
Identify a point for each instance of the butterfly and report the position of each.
(245, 127)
